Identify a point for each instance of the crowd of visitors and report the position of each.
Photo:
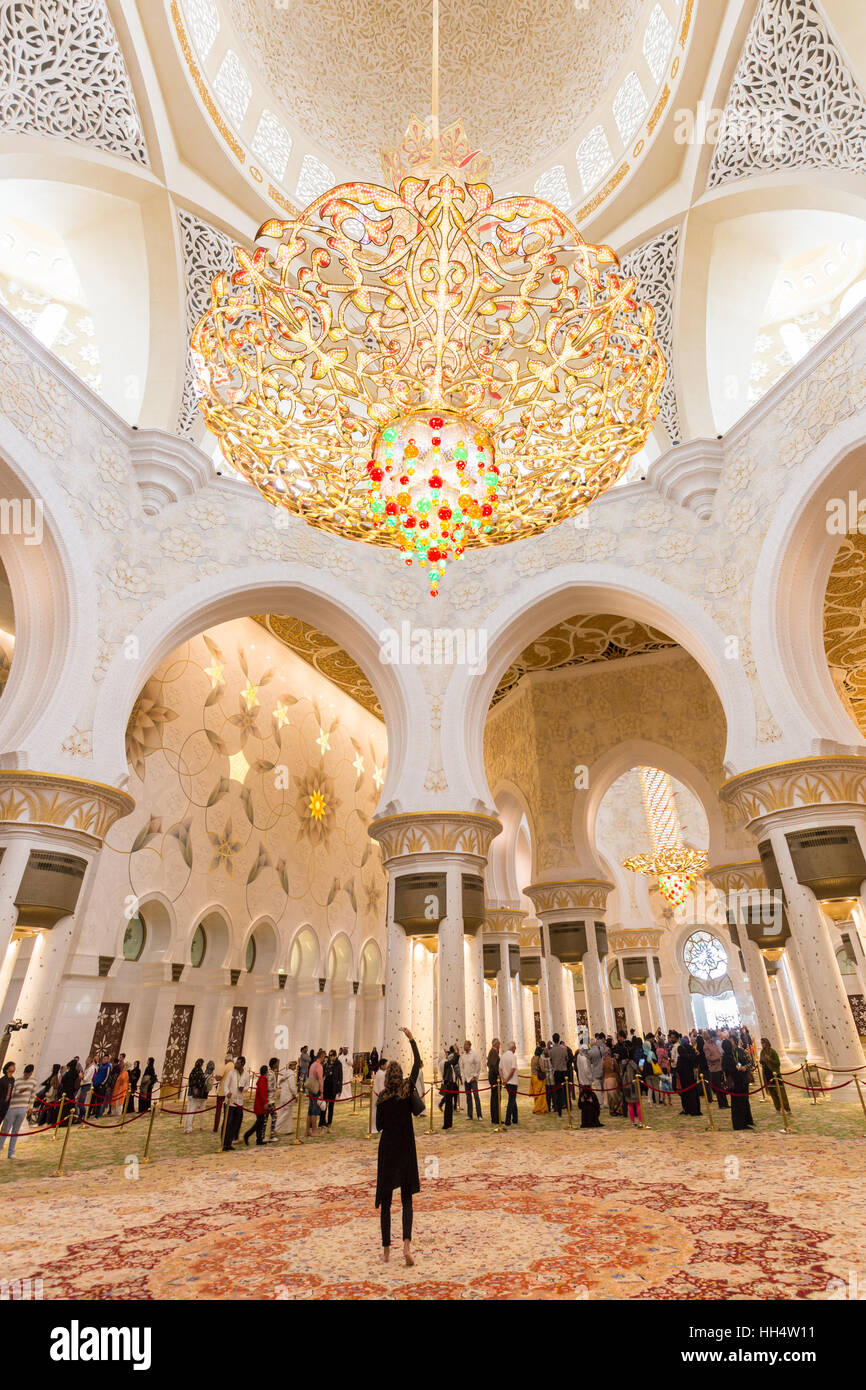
(606, 1075)
(617, 1076)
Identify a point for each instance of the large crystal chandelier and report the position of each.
(425, 366)
(676, 867)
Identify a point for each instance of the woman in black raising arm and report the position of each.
(397, 1164)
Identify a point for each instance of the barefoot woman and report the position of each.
(398, 1161)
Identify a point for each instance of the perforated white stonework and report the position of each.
(203, 20)
(793, 102)
(233, 87)
(594, 158)
(205, 253)
(314, 179)
(654, 264)
(62, 74)
(629, 105)
(553, 186)
(657, 42)
(272, 143)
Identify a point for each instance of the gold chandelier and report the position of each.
(425, 366)
(676, 867)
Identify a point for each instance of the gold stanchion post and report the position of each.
(60, 1173)
(58, 1122)
(781, 1096)
(224, 1120)
(369, 1134)
(430, 1130)
(707, 1099)
(146, 1158)
(568, 1102)
(297, 1139)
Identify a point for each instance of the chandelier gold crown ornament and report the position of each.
(676, 867)
(425, 366)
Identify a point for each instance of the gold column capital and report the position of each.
(796, 784)
(737, 878)
(434, 832)
(504, 920)
(61, 802)
(577, 894)
(634, 939)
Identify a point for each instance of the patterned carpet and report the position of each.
(540, 1212)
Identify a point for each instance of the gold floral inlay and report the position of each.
(845, 626)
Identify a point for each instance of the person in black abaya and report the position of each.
(687, 1067)
(736, 1072)
(397, 1161)
(587, 1103)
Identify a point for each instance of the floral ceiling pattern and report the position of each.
(845, 626)
(255, 779)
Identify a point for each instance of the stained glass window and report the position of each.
(705, 957)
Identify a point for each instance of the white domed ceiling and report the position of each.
(351, 73)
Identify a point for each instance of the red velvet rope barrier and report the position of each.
(24, 1133)
(840, 1087)
(121, 1124)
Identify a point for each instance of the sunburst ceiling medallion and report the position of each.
(425, 366)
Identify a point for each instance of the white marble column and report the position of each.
(858, 919)
(527, 1002)
(7, 970)
(39, 990)
(592, 982)
(555, 996)
(858, 954)
(786, 1010)
(833, 1028)
(16, 852)
(475, 1022)
(759, 983)
(503, 996)
(350, 1039)
(517, 1016)
(421, 1013)
(654, 996)
(452, 988)
(606, 999)
(397, 981)
(544, 1003)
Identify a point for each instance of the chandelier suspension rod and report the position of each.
(435, 105)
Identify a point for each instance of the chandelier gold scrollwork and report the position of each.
(428, 367)
(674, 865)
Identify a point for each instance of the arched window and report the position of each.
(250, 960)
(198, 947)
(704, 956)
(134, 938)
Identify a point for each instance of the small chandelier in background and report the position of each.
(676, 867)
(424, 366)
